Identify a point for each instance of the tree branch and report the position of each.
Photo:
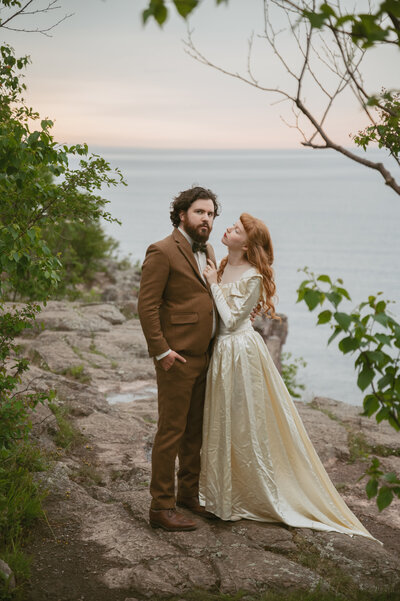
(22, 11)
(343, 61)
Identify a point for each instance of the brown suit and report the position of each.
(176, 312)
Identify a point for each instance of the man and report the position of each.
(178, 320)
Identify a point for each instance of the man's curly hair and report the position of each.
(186, 198)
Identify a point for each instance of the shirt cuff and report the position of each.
(158, 357)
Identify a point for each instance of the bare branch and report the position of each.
(18, 12)
(27, 388)
(192, 51)
(387, 176)
(249, 53)
(340, 58)
(23, 11)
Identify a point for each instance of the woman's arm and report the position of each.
(247, 293)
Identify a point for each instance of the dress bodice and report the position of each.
(236, 300)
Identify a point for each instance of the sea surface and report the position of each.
(323, 211)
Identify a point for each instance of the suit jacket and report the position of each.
(175, 306)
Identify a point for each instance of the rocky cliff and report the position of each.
(97, 544)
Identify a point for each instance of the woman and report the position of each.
(258, 462)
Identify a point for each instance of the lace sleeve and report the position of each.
(247, 293)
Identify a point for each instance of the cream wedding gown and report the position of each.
(257, 460)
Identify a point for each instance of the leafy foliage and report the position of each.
(20, 505)
(20, 495)
(80, 249)
(43, 194)
(386, 133)
(382, 486)
(290, 367)
(39, 188)
(381, 26)
(157, 9)
(372, 335)
(366, 29)
(15, 405)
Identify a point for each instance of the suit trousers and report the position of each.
(181, 392)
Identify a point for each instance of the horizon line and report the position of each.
(223, 148)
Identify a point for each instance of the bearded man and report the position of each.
(178, 319)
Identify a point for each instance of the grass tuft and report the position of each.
(20, 506)
(67, 435)
(77, 372)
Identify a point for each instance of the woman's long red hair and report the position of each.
(260, 254)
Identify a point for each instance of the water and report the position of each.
(131, 395)
(323, 211)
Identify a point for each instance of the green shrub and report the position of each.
(290, 367)
(20, 506)
(369, 333)
(81, 247)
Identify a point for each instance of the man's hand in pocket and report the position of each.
(168, 361)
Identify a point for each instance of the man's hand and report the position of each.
(168, 361)
(253, 315)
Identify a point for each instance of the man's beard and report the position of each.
(194, 232)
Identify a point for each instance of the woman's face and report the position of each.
(235, 237)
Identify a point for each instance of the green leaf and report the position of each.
(324, 317)
(335, 333)
(382, 414)
(185, 7)
(381, 318)
(324, 278)
(343, 292)
(393, 423)
(386, 380)
(390, 6)
(342, 20)
(327, 9)
(385, 497)
(343, 320)
(312, 298)
(157, 10)
(33, 137)
(316, 20)
(334, 297)
(380, 307)
(383, 338)
(371, 405)
(372, 488)
(378, 357)
(365, 377)
(348, 344)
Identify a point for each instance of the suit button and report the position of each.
(211, 312)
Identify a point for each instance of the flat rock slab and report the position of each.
(376, 435)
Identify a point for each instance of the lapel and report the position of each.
(187, 252)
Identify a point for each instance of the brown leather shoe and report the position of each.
(171, 520)
(192, 503)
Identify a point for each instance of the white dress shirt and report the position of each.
(201, 261)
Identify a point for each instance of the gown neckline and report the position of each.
(242, 276)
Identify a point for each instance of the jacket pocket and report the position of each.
(183, 318)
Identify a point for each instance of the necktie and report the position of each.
(199, 247)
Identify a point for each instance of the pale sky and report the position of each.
(107, 80)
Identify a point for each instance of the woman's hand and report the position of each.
(210, 273)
